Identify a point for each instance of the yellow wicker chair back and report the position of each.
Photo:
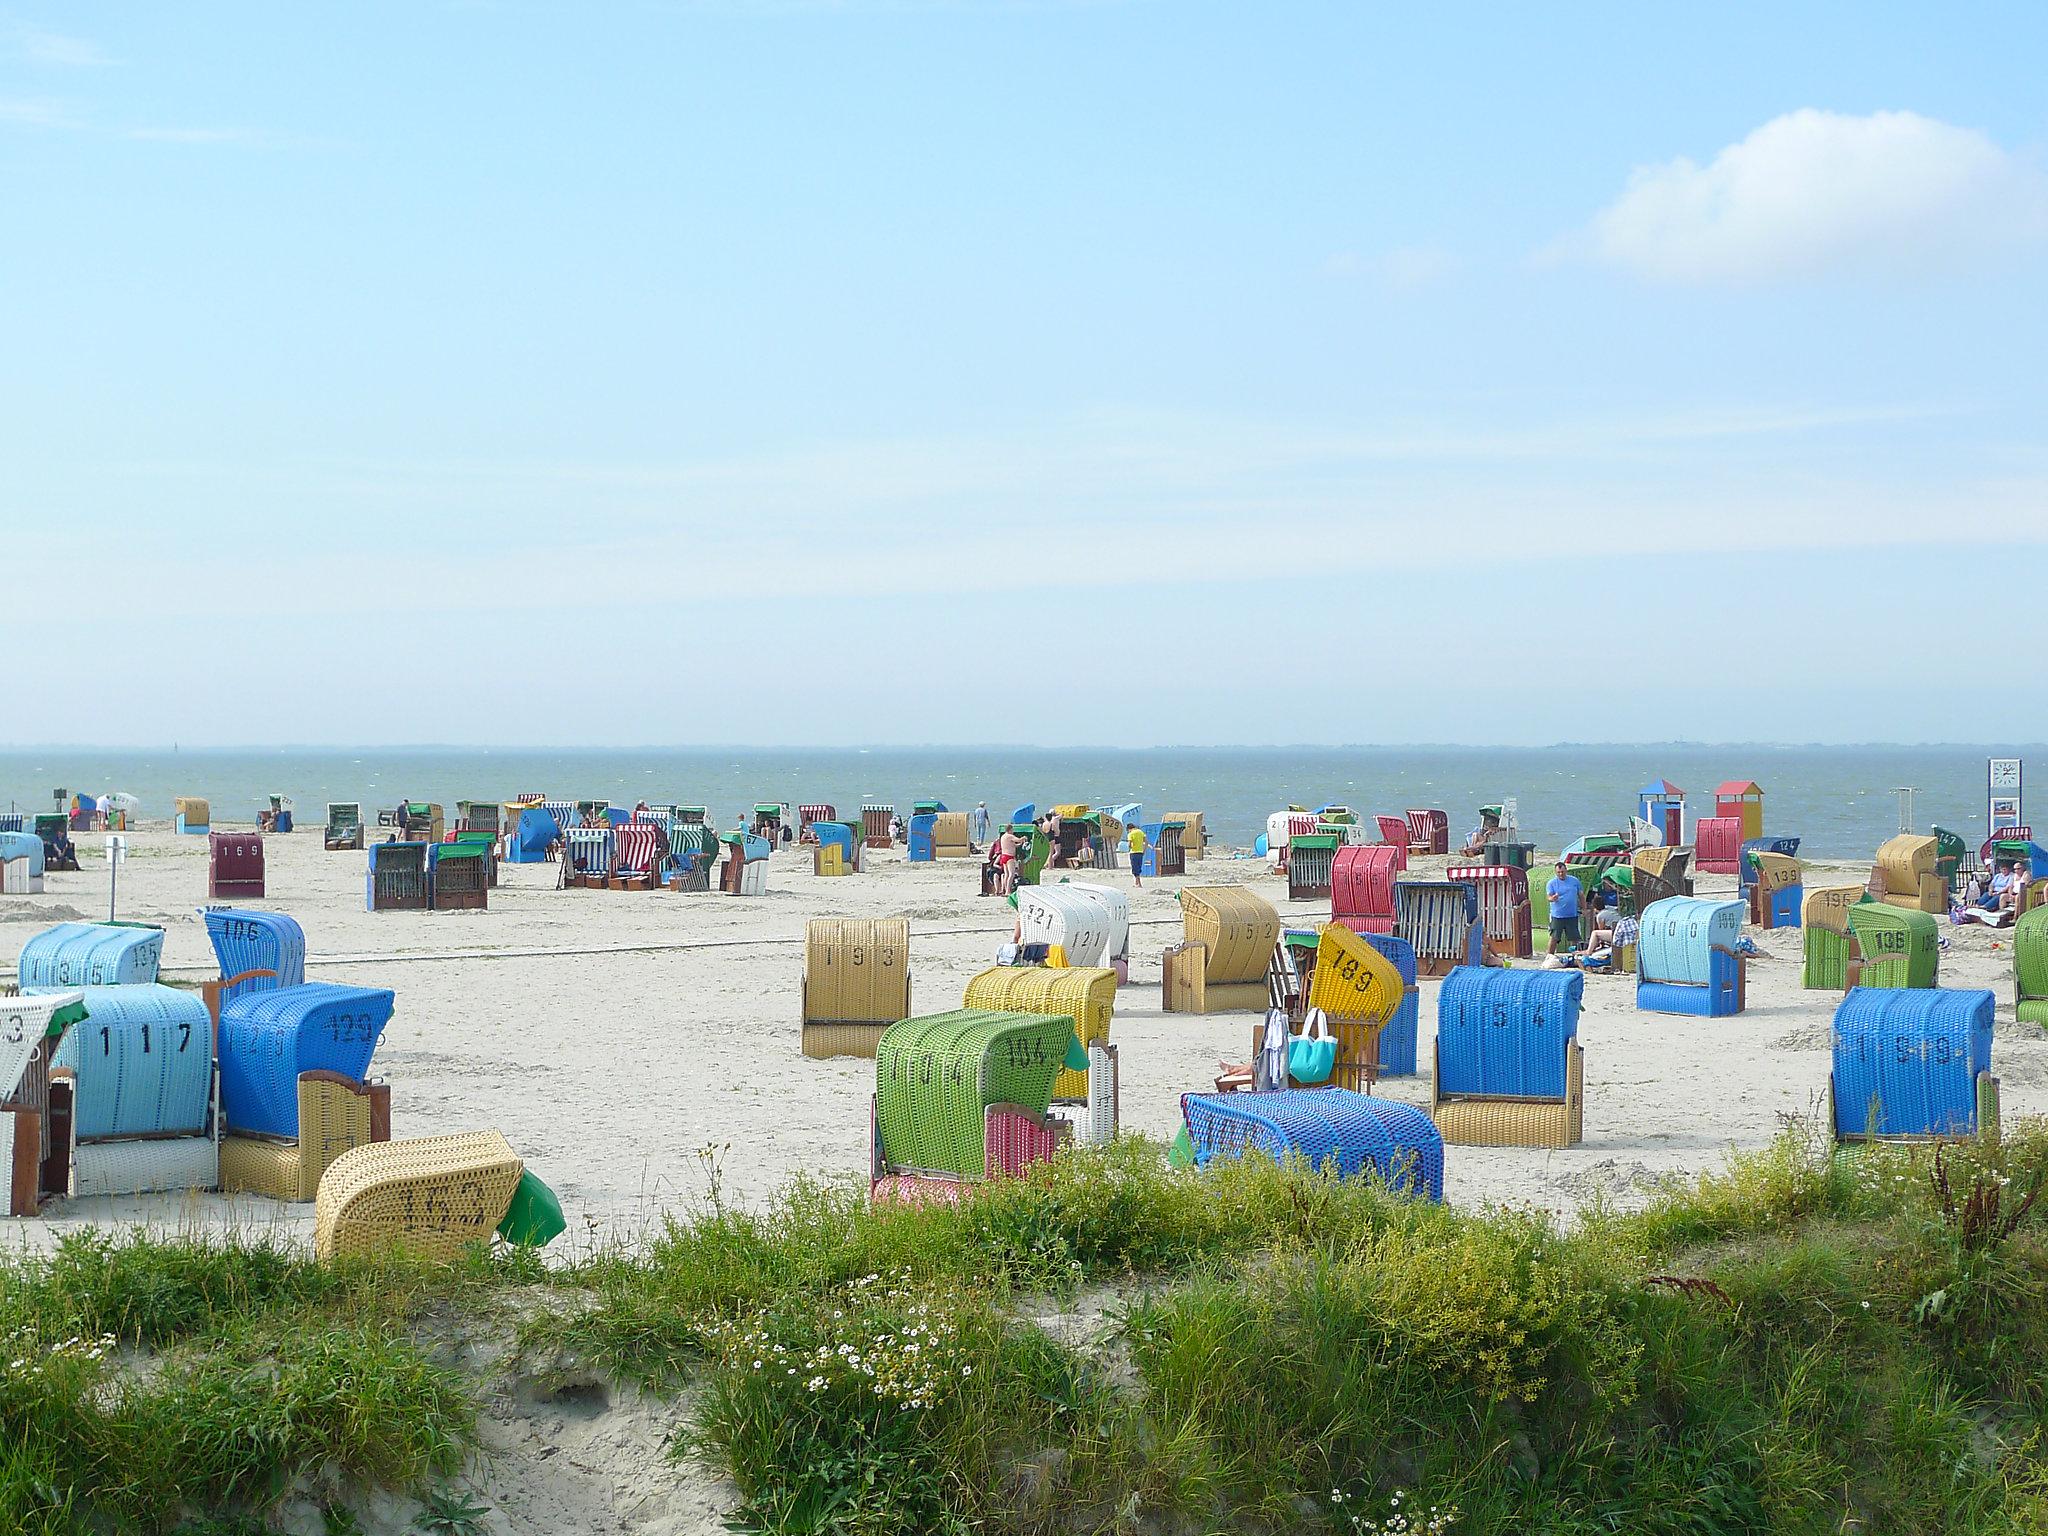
(1239, 928)
(1083, 994)
(435, 1195)
(857, 970)
(1827, 906)
(1776, 871)
(1651, 860)
(1358, 989)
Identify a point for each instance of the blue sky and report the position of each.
(1110, 373)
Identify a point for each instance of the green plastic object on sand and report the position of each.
(534, 1218)
(1181, 1154)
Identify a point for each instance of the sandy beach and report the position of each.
(626, 1043)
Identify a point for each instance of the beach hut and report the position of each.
(1429, 831)
(434, 1197)
(1362, 886)
(1334, 1130)
(856, 983)
(193, 817)
(877, 821)
(1852, 941)
(1686, 961)
(1913, 1065)
(141, 1070)
(2030, 967)
(344, 825)
(458, 877)
(397, 880)
(1089, 924)
(31, 1031)
(1776, 895)
(1309, 857)
(961, 1097)
(1905, 876)
(234, 865)
(269, 1039)
(745, 870)
(1504, 910)
(1086, 995)
(1509, 1069)
(1717, 844)
(1440, 921)
(1228, 934)
(73, 955)
(1660, 807)
(1743, 800)
(245, 942)
(22, 862)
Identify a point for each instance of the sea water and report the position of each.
(1839, 800)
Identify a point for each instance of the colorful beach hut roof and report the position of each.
(1664, 789)
(1739, 787)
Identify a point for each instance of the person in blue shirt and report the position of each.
(1563, 892)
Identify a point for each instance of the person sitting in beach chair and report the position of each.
(59, 853)
(1487, 830)
(1994, 901)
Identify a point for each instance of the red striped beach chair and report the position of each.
(639, 850)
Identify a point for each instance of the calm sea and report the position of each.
(1840, 800)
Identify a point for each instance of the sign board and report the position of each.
(2002, 789)
(117, 850)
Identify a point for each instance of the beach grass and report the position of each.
(1810, 1340)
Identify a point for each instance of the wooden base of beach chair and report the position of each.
(337, 1114)
(631, 883)
(821, 1042)
(1477, 1120)
(1435, 965)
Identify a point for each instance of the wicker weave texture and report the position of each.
(268, 1039)
(856, 970)
(435, 1195)
(246, 941)
(1776, 871)
(1501, 1122)
(161, 1166)
(1087, 995)
(1238, 927)
(2030, 966)
(334, 1117)
(936, 1076)
(251, 1165)
(90, 955)
(822, 1042)
(1336, 1129)
(1827, 906)
(143, 1060)
(1913, 1056)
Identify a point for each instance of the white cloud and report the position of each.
(1813, 192)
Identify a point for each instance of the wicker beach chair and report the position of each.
(1220, 967)
(961, 1097)
(31, 1030)
(1686, 961)
(1084, 995)
(856, 983)
(335, 1114)
(1906, 871)
(1504, 909)
(1350, 1134)
(1362, 886)
(1509, 1069)
(1912, 1065)
(434, 1196)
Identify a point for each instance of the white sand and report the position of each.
(622, 1041)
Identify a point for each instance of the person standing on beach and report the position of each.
(977, 824)
(1563, 892)
(1134, 840)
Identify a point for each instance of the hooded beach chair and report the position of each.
(1333, 1130)
(433, 1196)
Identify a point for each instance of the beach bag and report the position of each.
(1270, 1070)
(1312, 1054)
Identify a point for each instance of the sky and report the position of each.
(785, 373)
